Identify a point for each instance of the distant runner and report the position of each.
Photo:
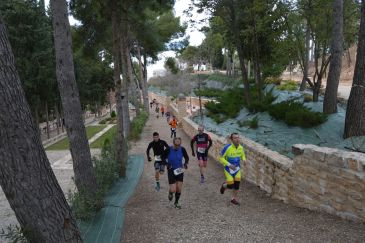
(173, 124)
(157, 111)
(203, 144)
(162, 111)
(231, 157)
(175, 169)
(160, 151)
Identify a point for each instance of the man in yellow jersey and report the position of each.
(231, 157)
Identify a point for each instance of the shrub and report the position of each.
(273, 80)
(253, 123)
(295, 113)
(113, 114)
(264, 104)
(84, 203)
(307, 98)
(208, 92)
(288, 85)
(137, 125)
(102, 122)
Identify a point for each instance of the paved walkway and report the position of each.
(207, 216)
(61, 163)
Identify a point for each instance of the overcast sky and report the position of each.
(196, 37)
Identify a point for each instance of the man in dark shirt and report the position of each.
(160, 150)
(203, 143)
(175, 169)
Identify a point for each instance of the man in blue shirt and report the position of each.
(175, 169)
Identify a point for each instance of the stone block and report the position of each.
(335, 160)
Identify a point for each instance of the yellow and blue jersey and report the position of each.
(233, 155)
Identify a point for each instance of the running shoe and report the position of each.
(202, 179)
(170, 196)
(222, 188)
(177, 205)
(235, 202)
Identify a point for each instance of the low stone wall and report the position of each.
(318, 178)
(329, 180)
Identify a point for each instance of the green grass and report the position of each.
(110, 134)
(64, 143)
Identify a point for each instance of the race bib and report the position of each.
(178, 171)
(235, 170)
(173, 129)
(201, 150)
(158, 158)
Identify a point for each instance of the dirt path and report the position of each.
(206, 215)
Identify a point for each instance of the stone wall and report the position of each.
(318, 178)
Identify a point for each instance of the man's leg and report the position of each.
(172, 183)
(236, 185)
(157, 175)
(228, 184)
(178, 193)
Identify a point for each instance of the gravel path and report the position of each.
(208, 216)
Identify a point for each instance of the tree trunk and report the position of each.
(244, 73)
(306, 59)
(228, 64)
(121, 142)
(355, 113)
(57, 118)
(79, 146)
(26, 176)
(126, 71)
(142, 67)
(47, 119)
(330, 97)
(256, 61)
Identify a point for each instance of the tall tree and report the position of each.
(121, 142)
(355, 113)
(330, 97)
(26, 176)
(79, 147)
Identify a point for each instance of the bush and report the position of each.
(208, 92)
(253, 123)
(137, 125)
(273, 80)
(295, 113)
(288, 85)
(307, 98)
(264, 104)
(84, 203)
(113, 114)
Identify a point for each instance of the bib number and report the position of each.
(201, 150)
(158, 158)
(178, 171)
(235, 170)
(173, 129)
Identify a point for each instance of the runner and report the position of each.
(157, 111)
(231, 157)
(162, 111)
(168, 116)
(175, 169)
(160, 151)
(173, 125)
(203, 144)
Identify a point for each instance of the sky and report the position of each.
(196, 37)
